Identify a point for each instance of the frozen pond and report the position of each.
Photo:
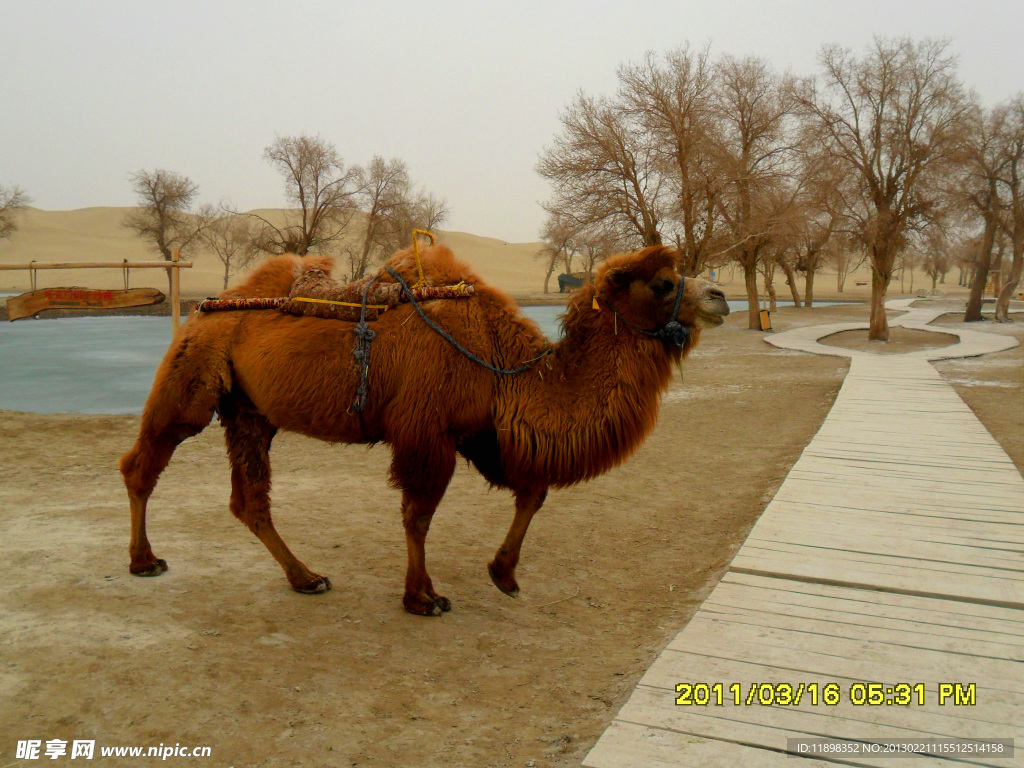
(80, 365)
(107, 364)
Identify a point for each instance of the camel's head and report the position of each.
(642, 288)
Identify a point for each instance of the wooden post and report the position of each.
(175, 291)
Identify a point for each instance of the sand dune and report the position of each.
(96, 234)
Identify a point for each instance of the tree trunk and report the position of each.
(809, 287)
(1012, 281)
(547, 280)
(973, 313)
(769, 288)
(750, 278)
(879, 330)
(227, 271)
(791, 282)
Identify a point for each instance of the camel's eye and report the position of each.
(662, 287)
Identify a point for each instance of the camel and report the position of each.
(575, 413)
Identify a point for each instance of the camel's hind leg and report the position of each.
(423, 475)
(248, 437)
(162, 430)
(503, 567)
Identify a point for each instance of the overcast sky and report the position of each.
(468, 93)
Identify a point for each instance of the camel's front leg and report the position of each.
(503, 567)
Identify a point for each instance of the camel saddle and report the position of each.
(316, 294)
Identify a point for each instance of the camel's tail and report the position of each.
(274, 277)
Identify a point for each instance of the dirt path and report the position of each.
(219, 652)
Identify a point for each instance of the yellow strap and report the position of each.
(339, 303)
(595, 305)
(416, 253)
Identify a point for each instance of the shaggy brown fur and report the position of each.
(576, 414)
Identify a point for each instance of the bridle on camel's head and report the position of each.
(672, 332)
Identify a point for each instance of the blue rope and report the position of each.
(444, 335)
(364, 338)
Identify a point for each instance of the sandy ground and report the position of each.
(220, 652)
(901, 340)
(992, 385)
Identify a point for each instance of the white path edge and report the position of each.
(893, 552)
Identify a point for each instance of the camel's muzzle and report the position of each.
(712, 308)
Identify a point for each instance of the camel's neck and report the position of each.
(590, 409)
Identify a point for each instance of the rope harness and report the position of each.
(361, 352)
(673, 332)
(365, 335)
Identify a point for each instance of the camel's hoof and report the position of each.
(504, 582)
(322, 584)
(153, 569)
(434, 607)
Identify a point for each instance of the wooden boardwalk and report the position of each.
(892, 553)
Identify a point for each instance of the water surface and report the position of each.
(107, 364)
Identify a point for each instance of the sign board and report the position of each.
(29, 304)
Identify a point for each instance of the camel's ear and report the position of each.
(620, 277)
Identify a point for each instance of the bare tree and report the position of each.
(985, 162)
(673, 98)
(816, 218)
(936, 254)
(392, 210)
(847, 257)
(1011, 182)
(595, 244)
(164, 217)
(12, 201)
(431, 211)
(558, 235)
(893, 117)
(231, 237)
(321, 189)
(385, 189)
(757, 140)
(605, 170)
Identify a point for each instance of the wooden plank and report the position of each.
(97, 265)
(811, 487)
(919, 571)
(627, 745)
(853, 659)
(770, 727)
(823, 621)
(854, 499)
(894, 542)
(939, 527)
(33, 302)
(953, 613)
(845, 616)
(866, 571)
